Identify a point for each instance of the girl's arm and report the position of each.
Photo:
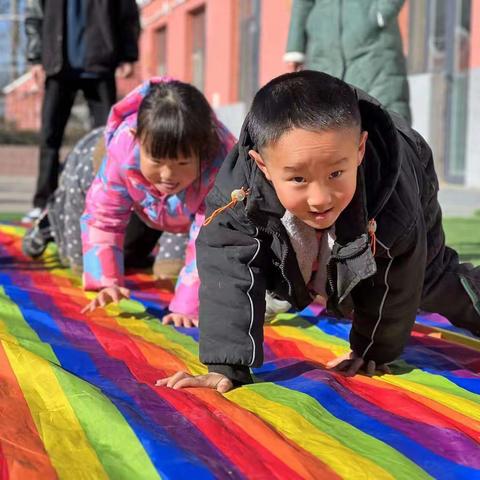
(103, 223)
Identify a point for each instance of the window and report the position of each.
(439, 44)
(417, 37)
(438, 35)
(197, 48)
(456, 66)
(161, 45)
(249, 29)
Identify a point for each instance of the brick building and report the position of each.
(228, 48)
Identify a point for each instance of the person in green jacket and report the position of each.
(357, 41)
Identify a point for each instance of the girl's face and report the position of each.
(169, 176)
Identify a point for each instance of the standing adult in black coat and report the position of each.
(76, 45)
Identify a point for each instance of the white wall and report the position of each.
(232, 116)
(420, 103)
(472, 167)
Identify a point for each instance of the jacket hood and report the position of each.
(382, 162)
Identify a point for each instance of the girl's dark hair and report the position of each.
(174, 119)
(309, 100)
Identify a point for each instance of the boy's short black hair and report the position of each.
(175, 119)
(308, 100)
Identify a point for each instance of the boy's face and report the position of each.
(314, 173)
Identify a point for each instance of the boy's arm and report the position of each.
(103, 224)
(33, 30)
(296, 43)
(386, 304)
(185, 300)
(232, 296)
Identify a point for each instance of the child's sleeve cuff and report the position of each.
(238, 374)
(294, 57)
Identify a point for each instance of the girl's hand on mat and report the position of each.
(180, 320)
(350, 364)
(106, 296)
(217, 381)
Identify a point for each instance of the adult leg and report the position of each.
(139, 242)
(100, 95)
(57, 104)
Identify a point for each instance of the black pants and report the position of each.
(454, 292)
(451, 288)
(140, 239)
(60, 92)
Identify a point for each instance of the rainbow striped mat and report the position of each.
(77, 398)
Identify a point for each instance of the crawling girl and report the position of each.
(164, 148)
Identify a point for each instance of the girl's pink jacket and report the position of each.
(119, 188)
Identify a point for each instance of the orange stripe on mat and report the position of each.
(25, 456)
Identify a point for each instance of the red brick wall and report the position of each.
(221, 49)
(23, 107)
(221, 63)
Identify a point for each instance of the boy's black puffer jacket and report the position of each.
(246, 250)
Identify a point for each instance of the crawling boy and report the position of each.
(320, 163)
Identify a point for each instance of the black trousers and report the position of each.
(454, 291)
(60, 92)
(450, 288)
(140, 239)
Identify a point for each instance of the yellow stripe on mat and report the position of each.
(294, 426)
(62, 435)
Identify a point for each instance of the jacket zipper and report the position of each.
(282, 260)
(331, 284)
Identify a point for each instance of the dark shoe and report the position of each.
(31, 216)
(36, 240)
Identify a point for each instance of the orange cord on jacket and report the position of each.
(237, 196)
(240, 194)
(372, 228)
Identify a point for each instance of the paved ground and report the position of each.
(18, 171)
(458, 201)
(18, 167)
(15, 193)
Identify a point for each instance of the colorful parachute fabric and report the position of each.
(77, 394)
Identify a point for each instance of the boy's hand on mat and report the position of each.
(217, 381)
(180, 320)
(106, 296)
(350, 364)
